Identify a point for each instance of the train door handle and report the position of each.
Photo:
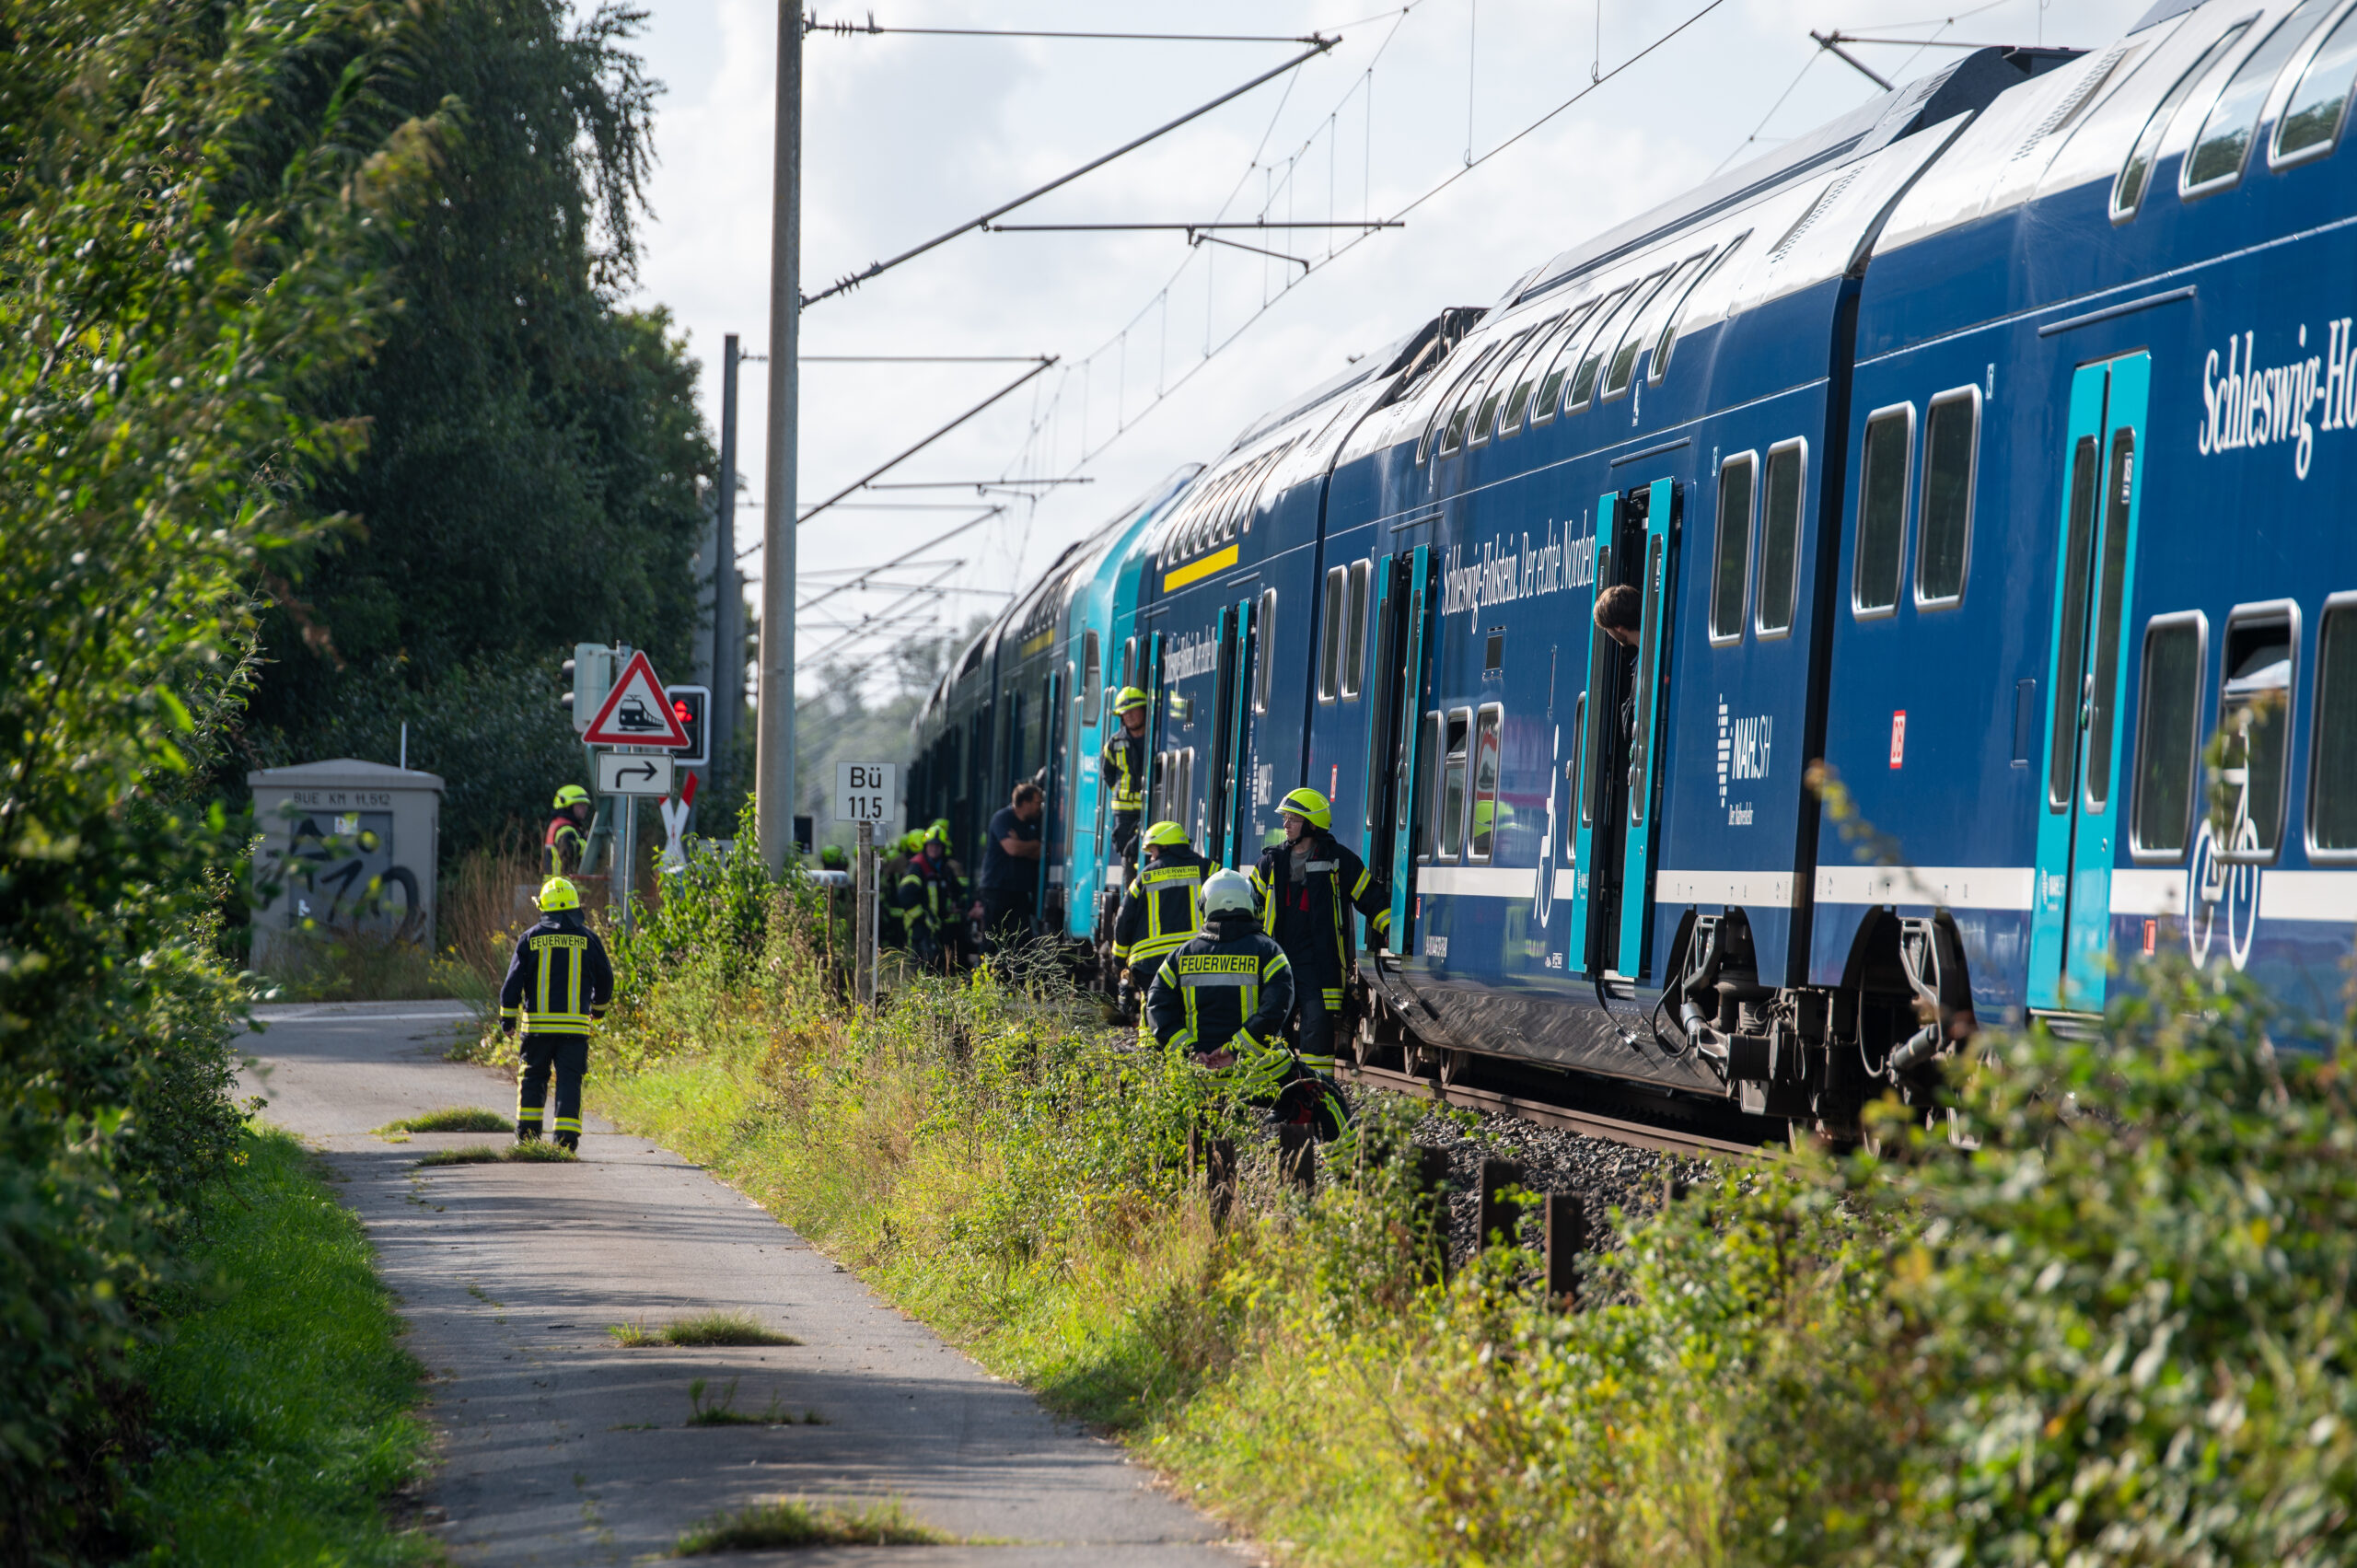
(2087, 702)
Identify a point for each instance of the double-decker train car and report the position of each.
(1975, 466)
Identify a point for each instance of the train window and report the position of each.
(1731, 572)
(2332, 763)
(1447, 404)
(1646, 325)
(2310, 123)
(2223, 144)
(2135, 175)
(2255, 717)
(1329, 662)
(1092, 679)
(1264, 663)
(1550, 395)
(1449, 802)
(1493, 389)
(1658, 365)
(1609, 317)
(1882, 510)
(1944, 538)
(2071, 654)
(2168, 730)
(1526, 373)
(1780, 538)
(2111, 591)
(1430, 754)
(1355, 631)
(1128, 661)
(1641, 741)
(1487, 729)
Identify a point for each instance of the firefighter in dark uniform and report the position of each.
(1159, 911)
(1122, 768)
(564, 842)
(931, 901)
(1223, 995)
(557, 983)
(1308, 886)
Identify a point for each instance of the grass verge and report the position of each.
(705, 1328)
(451, 1119)
(790, 1522)
(537, 1152)
(280, 1391)
(2098, 1317)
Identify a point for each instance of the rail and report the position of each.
(1667, 1140)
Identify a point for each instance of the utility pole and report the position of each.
(727, 590)
(774, 776)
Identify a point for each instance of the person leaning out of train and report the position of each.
(930, 897)
(1223, 994)
(1160, 909)
(1620, 615)
(1121, 767)
(1308, 886)
(1003, 900)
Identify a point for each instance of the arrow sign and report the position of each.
(637, 714)
(620, 773)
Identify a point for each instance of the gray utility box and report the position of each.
(344, 844)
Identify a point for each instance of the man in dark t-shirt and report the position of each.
(1010, 868)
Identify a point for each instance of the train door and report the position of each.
(1381, 709)
(1229, 834)
(1046, 893)
(1407, 682)
(2069, 946)
(1626, 719)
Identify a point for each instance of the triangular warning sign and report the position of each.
(635, 712)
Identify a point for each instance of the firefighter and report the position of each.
(1158, 909)
(892, 858)
(1307, 885)
(1223, 994)
(1122, 767)
(563, 844)
(931, 898)
(557, 983)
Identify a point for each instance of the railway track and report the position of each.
(1642, 1134)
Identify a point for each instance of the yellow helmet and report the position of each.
(1165, 835)
(572, 795)
(1132, 697)
(1310, 803)
(556, 893)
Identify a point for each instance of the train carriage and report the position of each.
(1985, 445)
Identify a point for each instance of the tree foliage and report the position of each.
(197, 204)
(530, 474)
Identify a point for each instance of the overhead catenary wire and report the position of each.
(971, 225)
(871, 27)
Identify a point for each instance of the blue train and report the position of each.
(1963, 451)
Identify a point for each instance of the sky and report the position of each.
(1165, 352)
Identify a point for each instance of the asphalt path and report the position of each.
(559, 1446)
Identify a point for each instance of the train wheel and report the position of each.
(1452, 1066)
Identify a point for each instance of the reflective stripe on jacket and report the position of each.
(1228, 989)
(1311, 919)
(558, 980)
(1122, 766)
(1161, 907)
(564, 845)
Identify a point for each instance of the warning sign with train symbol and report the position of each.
(636, 712)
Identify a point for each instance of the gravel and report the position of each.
(1602, 1173)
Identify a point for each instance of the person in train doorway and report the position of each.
(1308, 886)
(566, 839)
(1223, 994)
(557, 983)
(1122, 768)
(930, 899)
(1003, 899)
(1160, 910)
(1620, 615)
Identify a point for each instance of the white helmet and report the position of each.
(1227, 892)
